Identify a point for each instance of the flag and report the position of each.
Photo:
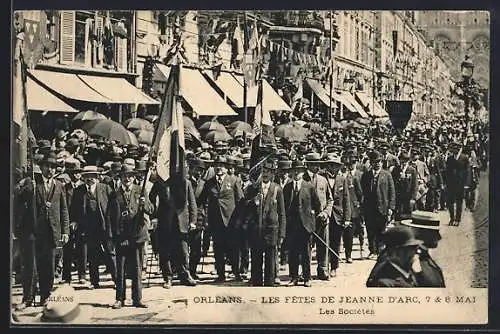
(169, 141)
(251, 58)
(399, 113)
(264, 143)
(237, 50)
(20, 111)
(297, 97)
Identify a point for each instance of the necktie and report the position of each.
(296, 188)
(219, 181)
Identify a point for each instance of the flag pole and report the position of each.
(245, 84)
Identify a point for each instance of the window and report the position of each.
(81, 37)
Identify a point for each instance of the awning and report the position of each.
(375, 109)
(118, 90)
(40, 99)
(163, 69)
(319, 91)
(230, 86)
(349, 101)
(271, 99)
(69, 85)
(204, 100)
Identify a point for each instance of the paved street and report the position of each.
(462, 254)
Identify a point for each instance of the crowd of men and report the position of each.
(97, 202)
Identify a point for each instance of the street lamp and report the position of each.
(467, 67)
(467, 89)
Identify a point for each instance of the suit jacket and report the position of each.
(78, 211)
(384, 192)
(390, 160)
(436, 170)
(355, 193)
(341, 210)
(458, 173)
(201, 216)
(221, 201)
(422, 170)
(406, 185)
(167, 211)
(309, 205)
(266, 217)
(126, 218)
(323, 190)
(55, 214)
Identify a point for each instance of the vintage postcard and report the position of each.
(250, 167)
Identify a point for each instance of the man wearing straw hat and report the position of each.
(89, 211)
(129, 232)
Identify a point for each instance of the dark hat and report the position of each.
(423, 219)
(141, 166)
(284, 164)
(206, 157)
(400, 236)
(270, 164)
(375, 156)
(298, 164)
(72, 142)
(72, 165)
(197, 163)
(49, 159)
(314, 158)
(231, 160)
(128, 169)
(44, 144)
(404, 156)
(115, 167)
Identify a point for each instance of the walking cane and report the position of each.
(202, 252)
(324, 243)
(150, 266)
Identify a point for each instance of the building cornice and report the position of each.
(83, 70)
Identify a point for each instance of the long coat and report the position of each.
(406, 185)
(78, 211)
(129, 226)
(56, 215)
(221, 201)
(271, 210)
(309, 205)
(323, 190)
(458, 173)
(384, 190)
(168, 212)
(341, 210)
(355, 192)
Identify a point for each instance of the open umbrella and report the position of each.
(363, 121)
(299, 122)
(144, 136)
(214, 136)
(88, 115)
(110, 130)
(239, 127)
(212, 125)
(293, 133)
(138, 124)
(314, 127)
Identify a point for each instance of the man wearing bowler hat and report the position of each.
(396, 264)
(379, 202)
(90, 214)
(320, 183)
(302, 206)
(266, 219)
(129, 234)
(458, 179)
(41, 236)
(425, 226)
(221, 193)
(406, 186)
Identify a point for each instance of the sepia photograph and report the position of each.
(200, 167)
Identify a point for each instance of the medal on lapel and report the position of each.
(48, 204)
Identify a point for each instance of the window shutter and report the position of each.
(67, 50)
(121, 54)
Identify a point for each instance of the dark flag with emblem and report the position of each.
(399, 113)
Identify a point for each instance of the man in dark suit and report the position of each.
(221, 193)
(356, 199)
(41, 236)
(302, 205)
(340, 220)
(266, 221)
(70, 255)
(458, 179)
(435, 183)
(89, 209)
(379, 202)
(196, 169)
(405, 184)
(176, 213)
(129, 232)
